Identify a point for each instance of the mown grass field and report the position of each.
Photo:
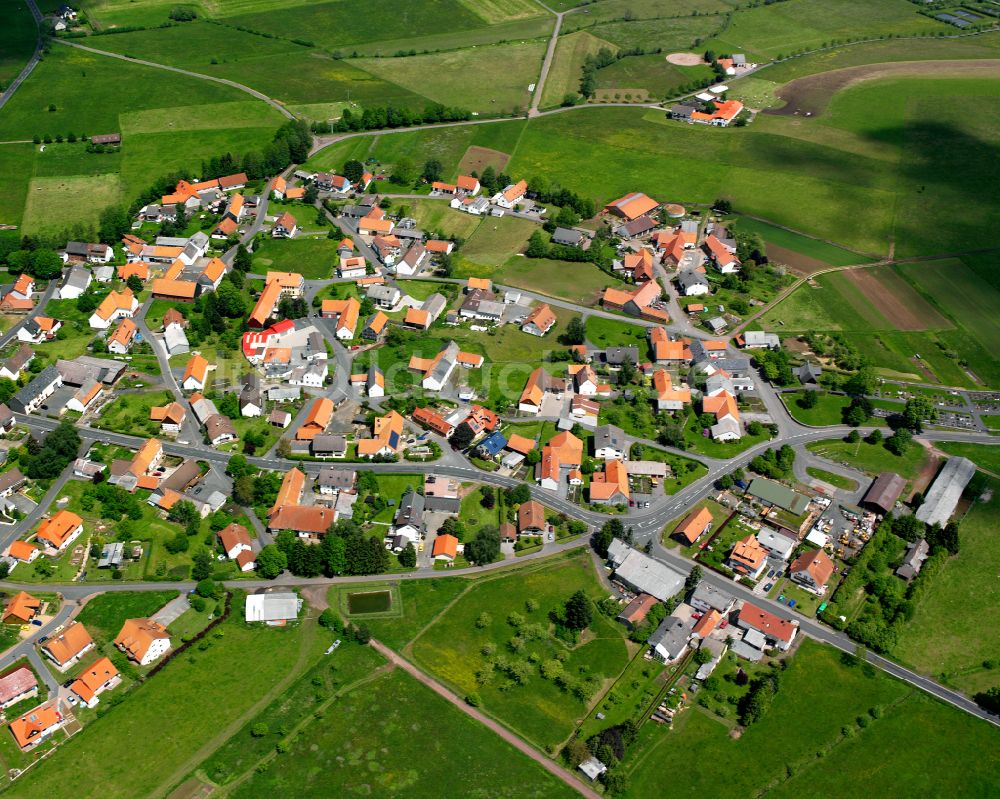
(941, 638)
(670, 33)
(314, 691)
(984, 456)
(811, 248)
(314, 258)
(492, 243)
(169, 122)
(581, 283)
(871, 458)
(540, 711)
(468, 78)
(768, 32)
(651, 74)
(609, 333)
(567, 64)
(980, 46)
(792, 751)
(807, 182)
(395, 737)
(190, 694)
(54, 202)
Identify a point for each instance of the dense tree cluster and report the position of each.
(47, 460)
(774, 463)
(757, 701)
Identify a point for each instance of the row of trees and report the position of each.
(379, 117)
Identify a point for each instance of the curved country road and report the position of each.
(549, 765)
(32, 62)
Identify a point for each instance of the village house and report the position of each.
(778, 632)
(812, 570)
(93, 681)
(60, 530)
(17, 363)
(37, 329)
(236, 543)
(76, 282)
(445, 548)
(143, 640)
(540, 321)
(66, 648)
(345, 314)
(511, 195)
(438, 369)
(22, 607)
(610, 487)
(387, 437)
(195, 374)
(540, 384)
(123, 337)
(16, 686)
(644, 302)
(667, 396)
(285, 226)
(117, 305)
(694, 526)
(36, 725)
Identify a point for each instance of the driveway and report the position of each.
(171, 611)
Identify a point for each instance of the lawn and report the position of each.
(580, 283)
(603, 332)
(836, 480)
(474, 515)
(492, 243)
(468, 78)
(437, 216)
(700, 444)
(313, 258)
(985, 456)
(209, 705)
(129, 413)
(396, 737)
(943, 639)
(16, 165)
(105, 614)
(452, 648)
(829, 408)
(314, 690)
(818, 697)
(422, 289)
(871, 458)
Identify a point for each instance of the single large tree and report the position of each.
(579, 611)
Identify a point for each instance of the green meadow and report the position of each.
(832, 730)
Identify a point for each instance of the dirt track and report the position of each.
(810, 95)
(685, 59)
(553, 768)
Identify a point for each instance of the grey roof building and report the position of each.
(567, 236)
(609, 440)
(706, 597)
(671, 638)
(618, 355)
(37, 391)
(940, 502)
(808, 372)
(916, 554)
(643, 574)
(335, 479)
(690, 279)
(411, 510)
(329, 446)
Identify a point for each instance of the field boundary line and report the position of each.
(278, 106)
(474, 713)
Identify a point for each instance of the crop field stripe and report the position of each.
(895, 299)
(852, 294)
(961, 294)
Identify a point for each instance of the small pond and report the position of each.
(369, 602)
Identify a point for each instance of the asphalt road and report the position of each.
(32, 62)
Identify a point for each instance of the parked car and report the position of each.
(768, 587)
